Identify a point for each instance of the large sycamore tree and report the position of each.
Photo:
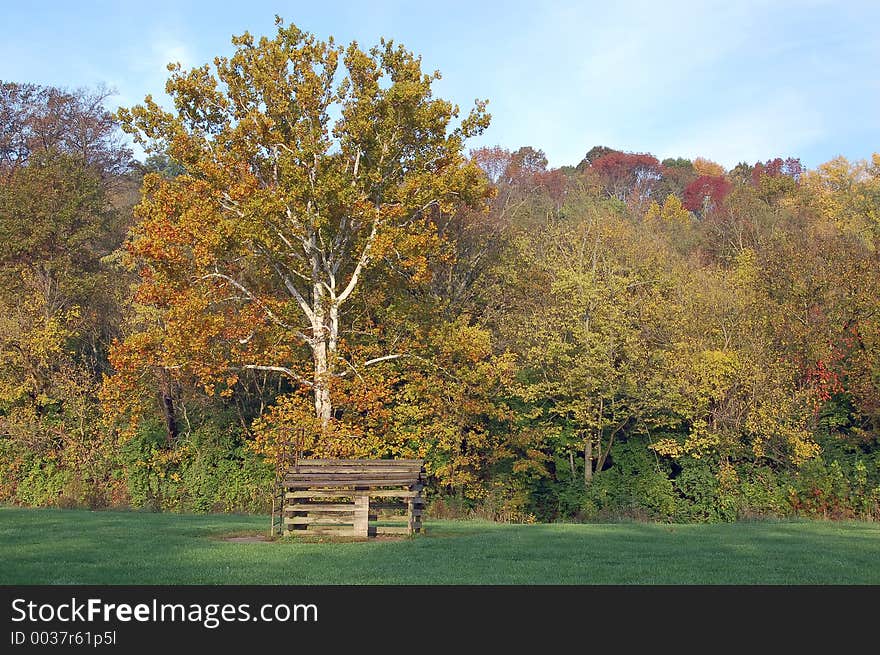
(309, 169)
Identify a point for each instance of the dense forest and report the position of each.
(312, 256)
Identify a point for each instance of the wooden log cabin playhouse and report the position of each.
(348, 497)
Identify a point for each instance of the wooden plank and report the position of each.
(358, 462)
(327, 520)
(348, 493)
(342, 487)
(376, 473)
(316, 478)
(415, 478)
(318, 507)
(299, 495)
(343, 475)
(348, 516)
(379, 465)
(360, 472)
(332, 468)
(393, 493)
(350, 482)
(318, 484)
(365, 485)
(381, 475)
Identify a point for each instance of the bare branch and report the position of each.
(387, 358)
(363, 260)
(352, 369)
(279, 369)
(253, 298)
(369, 362)
(291, 288)
(384, 358)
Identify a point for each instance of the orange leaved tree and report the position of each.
(308, 170)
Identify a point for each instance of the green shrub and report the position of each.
(762, 493)
(700, 497)
(210, 470)
(43, 484)
(635, 486)
(835, 490)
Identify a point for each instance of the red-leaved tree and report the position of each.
(623, 173)
(790, 167)
(706, 193)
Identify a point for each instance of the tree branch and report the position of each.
(279, 369)
(259, 302)
(291, 288)
(369, 362)
(363, 260)
(384, 358)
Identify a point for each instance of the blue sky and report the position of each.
(732, 81)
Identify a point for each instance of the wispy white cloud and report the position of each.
(649, 46)
(727, 80)
(674, 78)
(143, 69)
(166, 49)
(782, 125)
(606, 74)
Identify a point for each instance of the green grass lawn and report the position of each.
(82, 547)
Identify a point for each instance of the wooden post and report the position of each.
(410, 515)
(362, 514)
(272, 519)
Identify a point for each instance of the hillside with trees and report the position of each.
(312, 251)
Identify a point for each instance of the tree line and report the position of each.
(310, 257)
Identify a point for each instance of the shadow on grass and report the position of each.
(81, 547)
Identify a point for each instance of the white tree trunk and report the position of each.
(324, 316)
(325, 343)
(321, 388)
